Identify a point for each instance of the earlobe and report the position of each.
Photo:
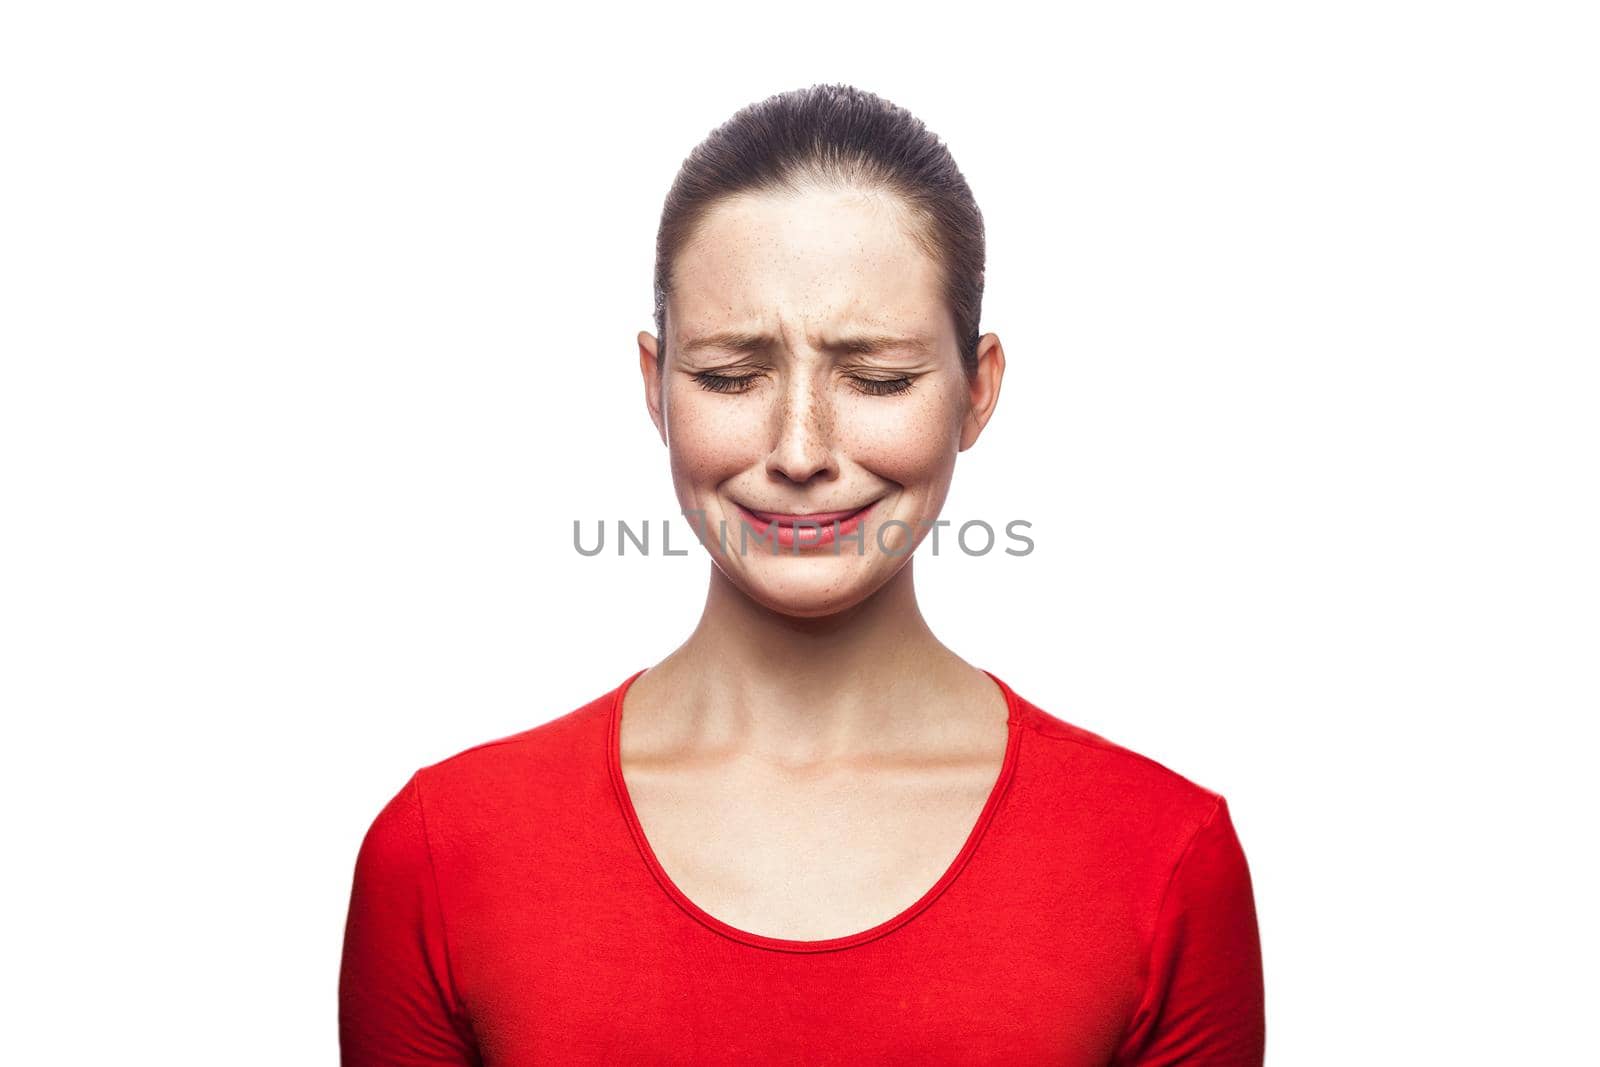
(984, 389)
(969, 433)
(649, 370)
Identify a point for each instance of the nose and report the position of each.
(803, 447)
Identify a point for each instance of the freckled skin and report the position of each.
(803, 434)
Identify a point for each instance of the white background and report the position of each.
(318, 330)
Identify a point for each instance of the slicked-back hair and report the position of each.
(835, 135)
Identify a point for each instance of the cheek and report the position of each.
(910, 440)
(710, 439)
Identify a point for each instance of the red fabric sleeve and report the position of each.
(1203, 1004)
(397, 1003)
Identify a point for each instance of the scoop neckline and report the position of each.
(997, 791)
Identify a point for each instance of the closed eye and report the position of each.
(882, 386)
(740, 383)
(724, 383)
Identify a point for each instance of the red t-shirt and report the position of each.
(507, 911)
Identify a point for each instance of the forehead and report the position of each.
(821, 261)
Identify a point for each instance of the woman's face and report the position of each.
(812, 369)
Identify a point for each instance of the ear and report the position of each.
(650, 368)
(984, 389)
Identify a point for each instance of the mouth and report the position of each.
(788, 519)
(808, 530)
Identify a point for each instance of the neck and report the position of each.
(823, 684)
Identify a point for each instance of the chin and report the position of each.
(809, 593)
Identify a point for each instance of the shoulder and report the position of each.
(553, 739)
(553, 766)
(1095, 788)
(1116, 766)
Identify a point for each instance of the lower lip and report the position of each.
(788, 535)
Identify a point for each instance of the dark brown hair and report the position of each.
(835, 134)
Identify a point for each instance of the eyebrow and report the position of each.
(857, 344)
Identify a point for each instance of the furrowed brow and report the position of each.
(748, 341)
(729, 341)
(867, 344)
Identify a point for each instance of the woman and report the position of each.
(813, 833)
